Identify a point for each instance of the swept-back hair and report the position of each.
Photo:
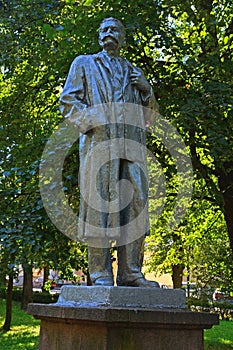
(119, 23)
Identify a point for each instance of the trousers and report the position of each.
(130, 259)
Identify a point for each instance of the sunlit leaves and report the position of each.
(185, 50)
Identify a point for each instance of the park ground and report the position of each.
(24, 332)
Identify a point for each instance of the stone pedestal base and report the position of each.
(108, 327)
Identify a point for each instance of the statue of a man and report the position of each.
(104, 79)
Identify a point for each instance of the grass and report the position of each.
(25, 331)
(219, 337)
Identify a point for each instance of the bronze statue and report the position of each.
(104, 79)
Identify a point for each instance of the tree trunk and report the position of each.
(7, 323)
(225, 181)
(89, 281)
(27, 287)
(45, 276)
(177, 275)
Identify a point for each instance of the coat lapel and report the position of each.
(104, 62)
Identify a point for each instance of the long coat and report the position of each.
(109, 115)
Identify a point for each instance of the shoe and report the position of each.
(140, 282)
(104, 281)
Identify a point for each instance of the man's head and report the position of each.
(111, 34)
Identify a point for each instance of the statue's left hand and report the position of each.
(138, 79)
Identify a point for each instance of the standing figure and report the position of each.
(99, 90)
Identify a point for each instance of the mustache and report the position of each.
(110, 36)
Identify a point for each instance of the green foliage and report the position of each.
(195, 91)
(33, 69)
(200, 243)
(47, 286)
(45, 297)
(2, 293)
(38, 297)
(223, 309)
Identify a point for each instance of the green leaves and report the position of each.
(49, 30)
(185, 51)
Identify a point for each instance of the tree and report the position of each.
(27, 82)
(199, 246)
(204, 34)
(185, 50)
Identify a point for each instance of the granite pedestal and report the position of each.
(120, 318)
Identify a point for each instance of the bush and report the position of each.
(44, 297)
(38, 297)
(2, 292)
(223, 309)
(17, 294)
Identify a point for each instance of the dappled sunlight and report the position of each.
(219, 337)
(24, 332)
(20, 338)
(226, 342)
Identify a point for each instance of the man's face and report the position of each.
(111, 35)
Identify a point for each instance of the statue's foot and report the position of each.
(104, 281)
(140, 282)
